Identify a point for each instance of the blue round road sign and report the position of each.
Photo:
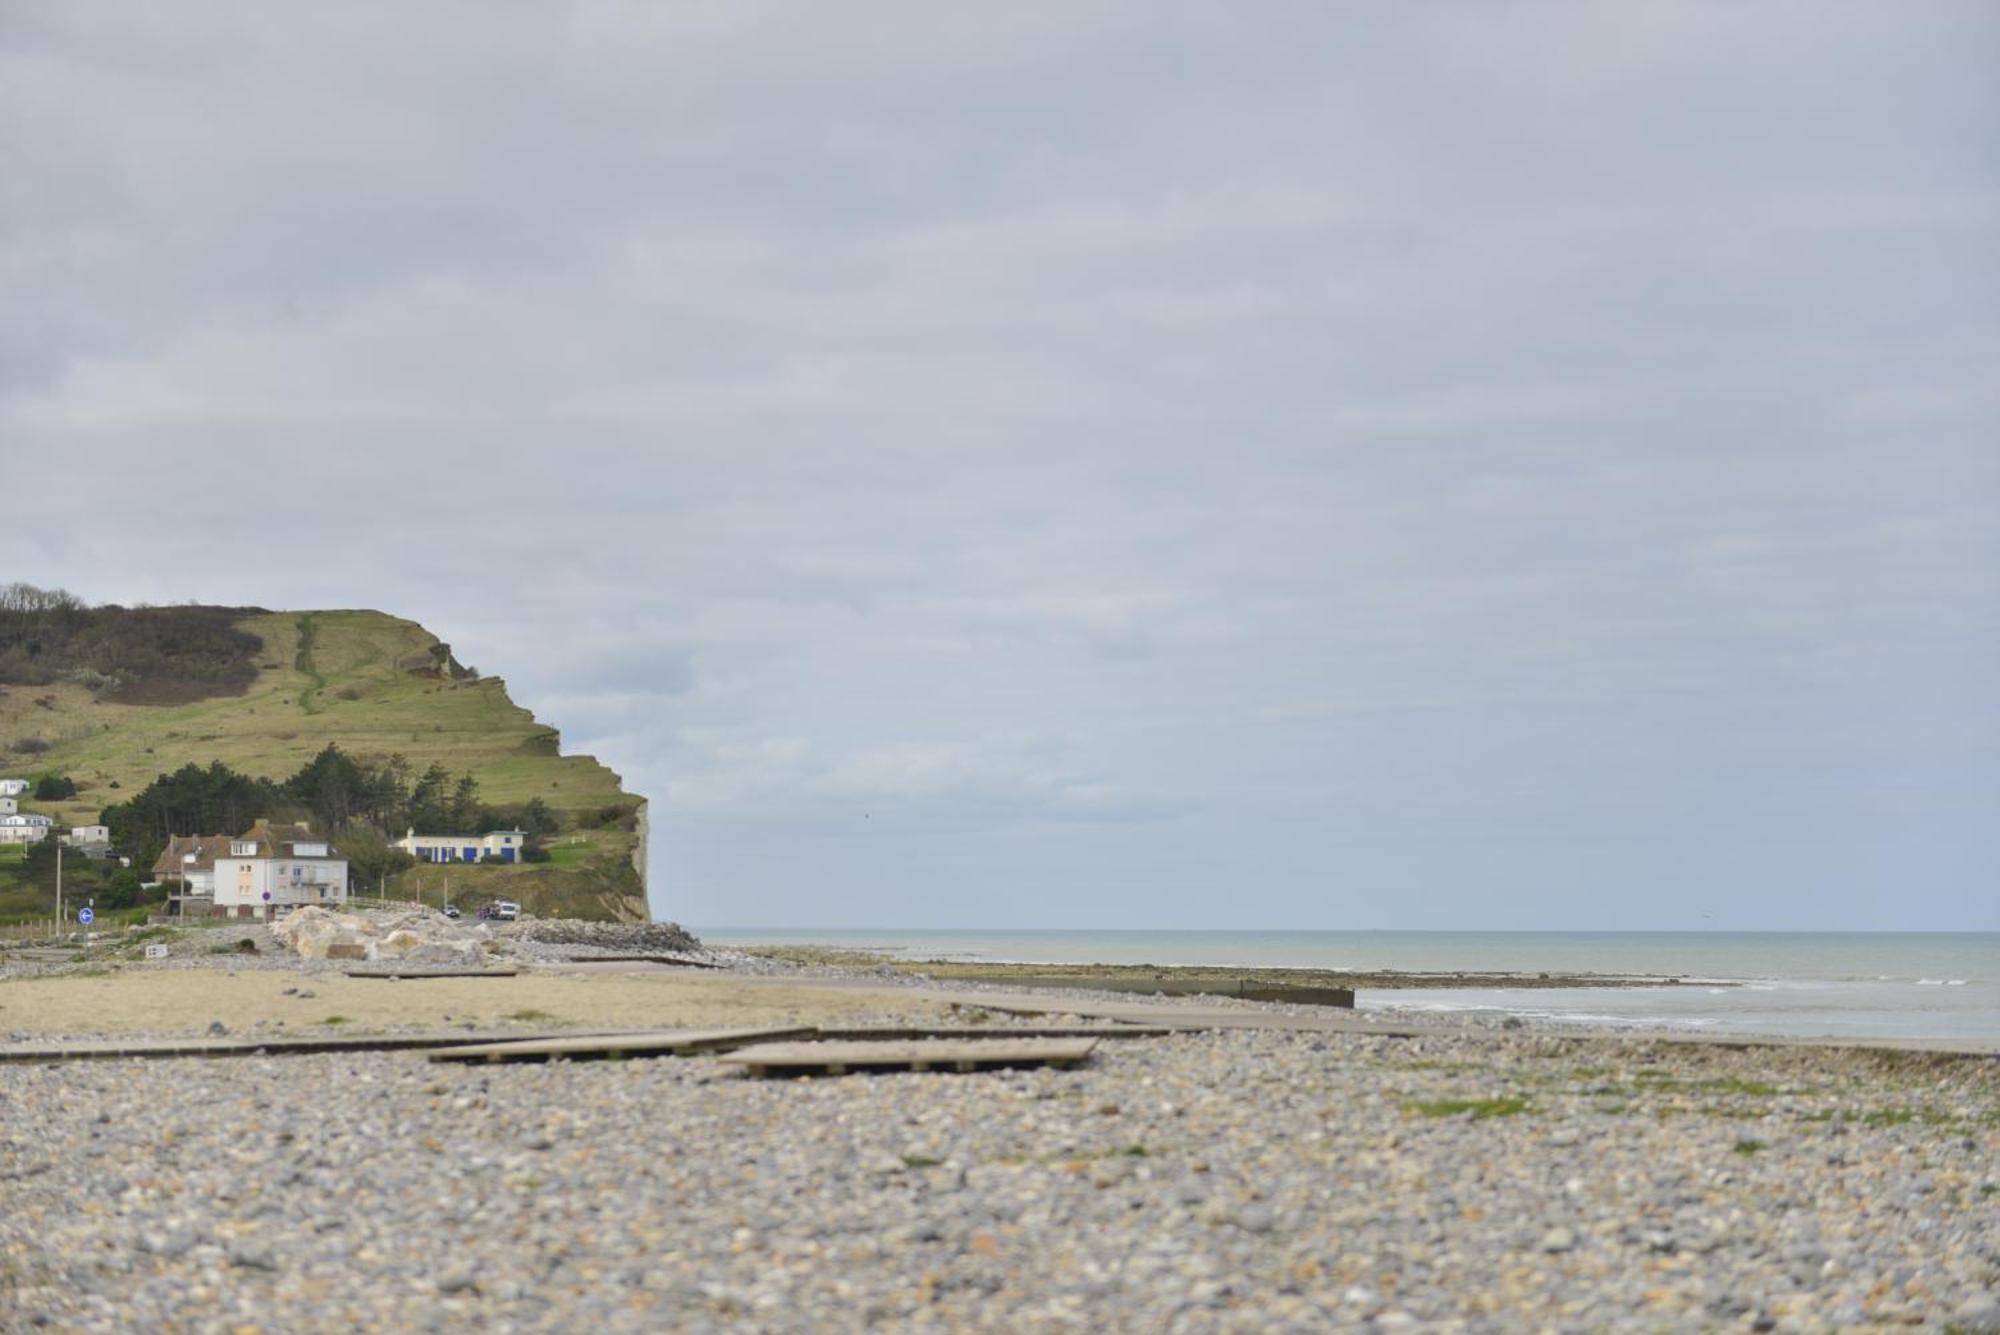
(85, 916)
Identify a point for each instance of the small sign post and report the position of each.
(85, 916)
(155, 951)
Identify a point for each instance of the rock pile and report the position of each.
(636, 937)
(419, 937)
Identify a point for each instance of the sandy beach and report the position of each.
(1447, 1177)
(190, 1000)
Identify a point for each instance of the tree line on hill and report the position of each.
(51, 635)
(362, 804)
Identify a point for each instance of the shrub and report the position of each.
(48, 636)
(123, 889)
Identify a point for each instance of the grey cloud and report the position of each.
(1171, 459)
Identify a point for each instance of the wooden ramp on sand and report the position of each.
(272, 1045)
(840, 1058)
(407, 971)
(615, 1047)
(674, 961)
(970, 1033)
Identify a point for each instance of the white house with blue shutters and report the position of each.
(506, 845)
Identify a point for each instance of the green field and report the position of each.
(373, 684)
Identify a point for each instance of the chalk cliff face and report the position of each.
(268, 690)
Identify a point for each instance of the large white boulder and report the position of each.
(397, 944)
(425, 937)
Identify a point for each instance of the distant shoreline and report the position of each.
(1128, 976)
(1871, 988)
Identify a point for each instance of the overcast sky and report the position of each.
(1084, 464)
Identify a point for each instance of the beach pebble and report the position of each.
(1256, 1219)
(1980, 1313)
(1251, 1180)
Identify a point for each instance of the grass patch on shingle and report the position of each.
(1477, 1109)
(1735, 1085)
(1905, 1116)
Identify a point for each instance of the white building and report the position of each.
(506, 845)
(13, 787)
(25, 828)
(9, 805)
(81, 836)
(277, 867)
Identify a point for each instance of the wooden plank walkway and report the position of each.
(614, 1047)
(674, 960)
(413, 971)
(273, 1046)
(987, 1032)
(837, 1058)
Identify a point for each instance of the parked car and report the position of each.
(506, 910)
(451, 911)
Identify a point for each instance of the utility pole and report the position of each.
(59, 848)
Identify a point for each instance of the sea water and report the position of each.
(1916, 985)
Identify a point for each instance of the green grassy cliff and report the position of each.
(374, 685)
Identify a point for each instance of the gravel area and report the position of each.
(1230, 1181)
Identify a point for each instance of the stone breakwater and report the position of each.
(635, 937)
(1209, 1182)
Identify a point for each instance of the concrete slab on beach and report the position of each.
(292, 1045)
(669, 961)
(1243, 989)
(973, 1033)
(613, 1047)
(415, 971)
(841, 1058)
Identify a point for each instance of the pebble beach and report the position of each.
(1456, 1179)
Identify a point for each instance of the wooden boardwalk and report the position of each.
(616, 1047)
(839, 1058)
(674, 961)
(540, 1045)
(976, 1033)
(274, 1046)
(414, 971)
